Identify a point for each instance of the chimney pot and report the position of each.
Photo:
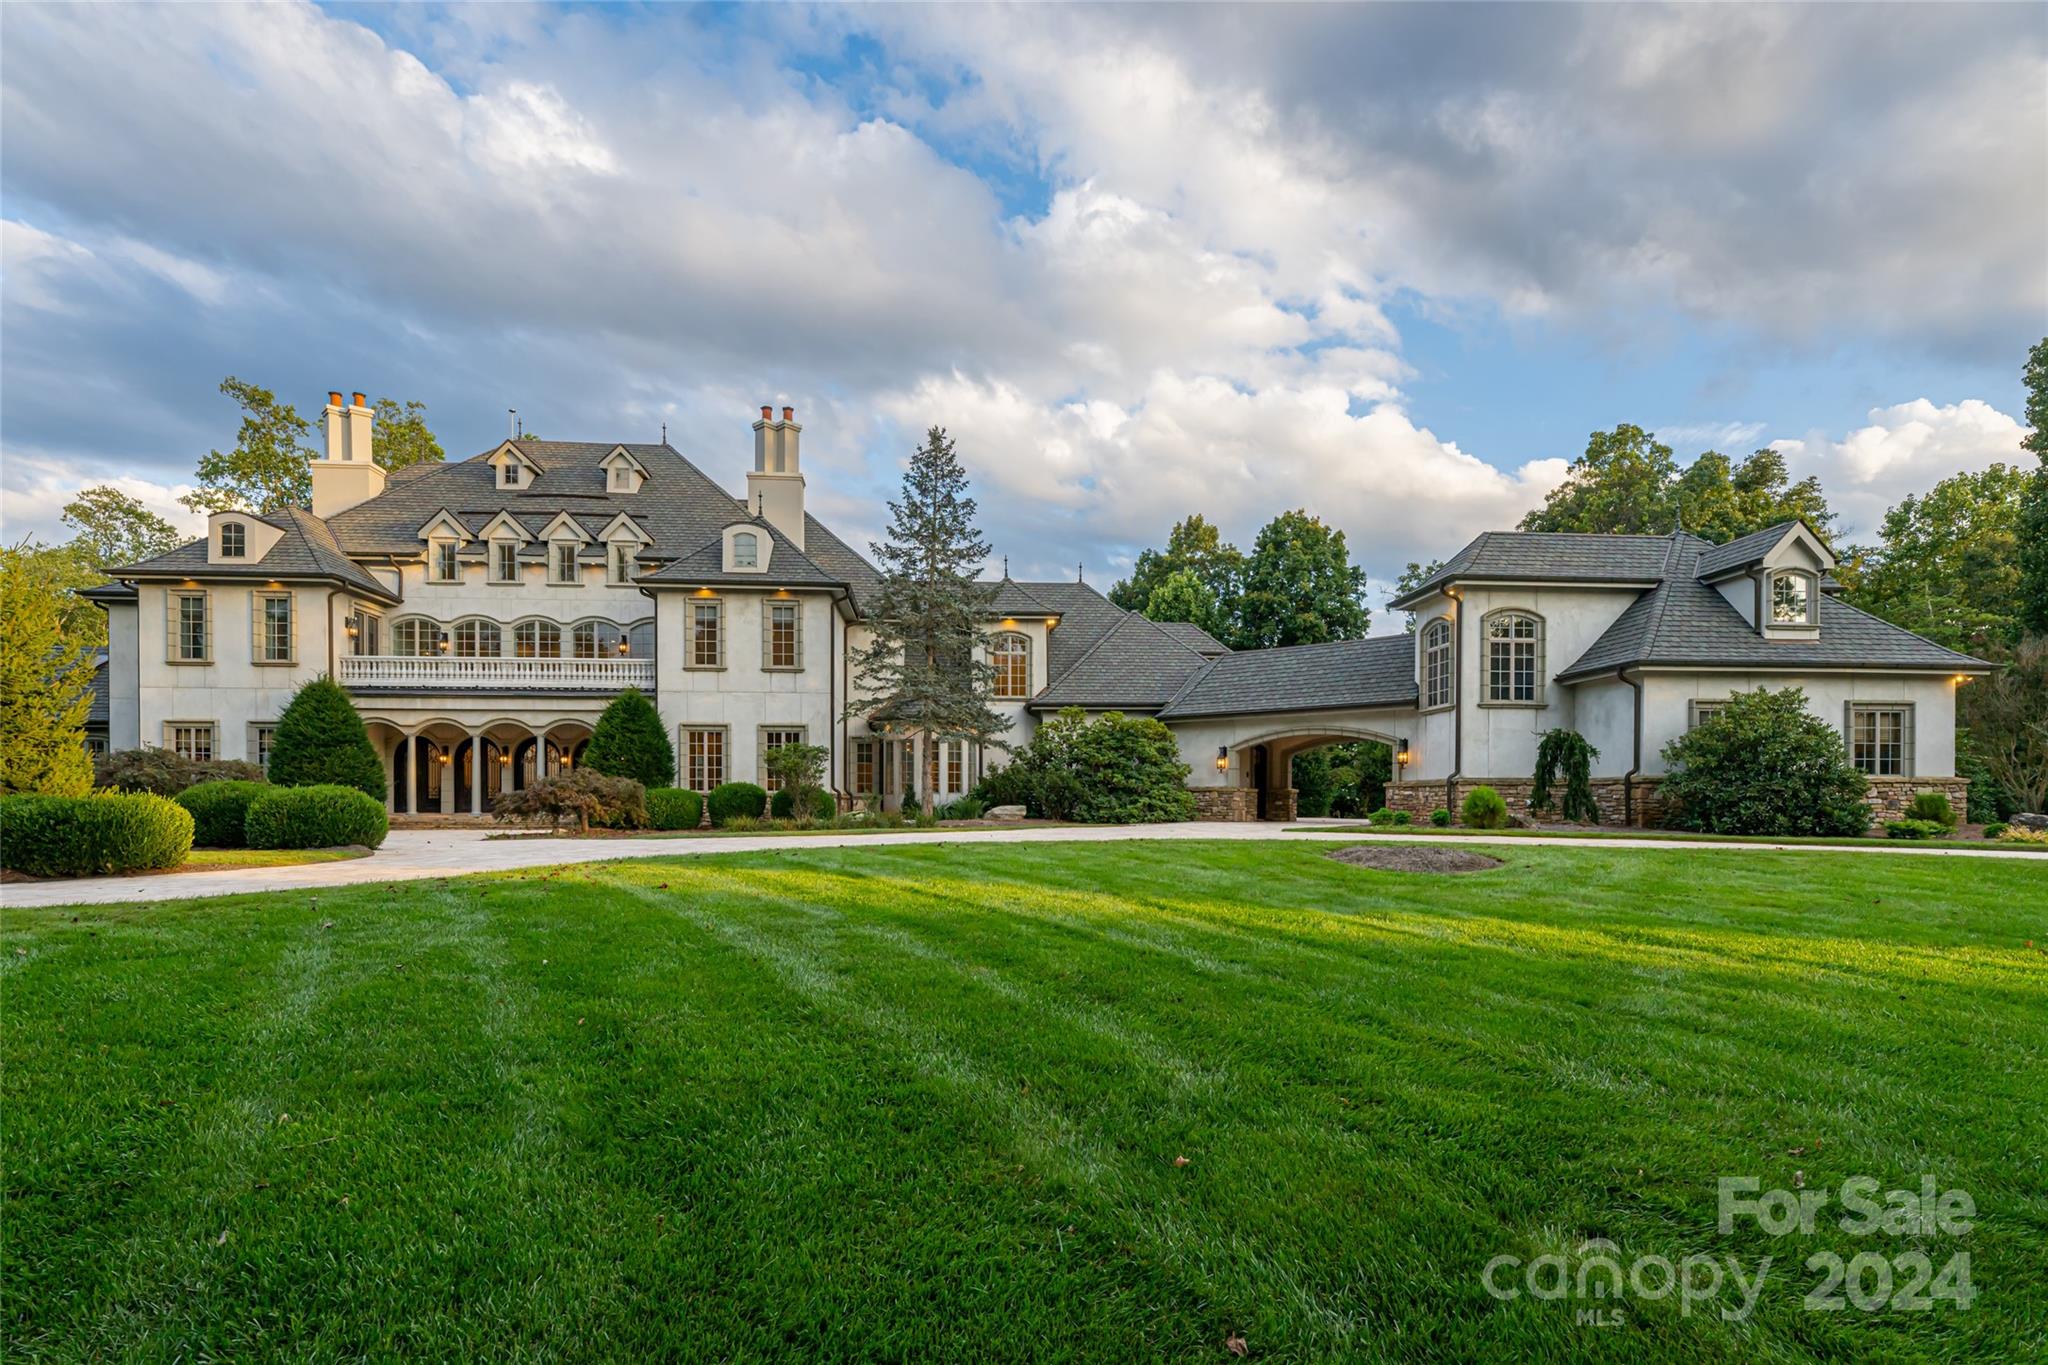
(766, 412)
(334, 397)
(359, 401)
(789, 414)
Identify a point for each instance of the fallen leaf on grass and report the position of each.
(1180, 1161)
(221, 1240)
(1236, 1345)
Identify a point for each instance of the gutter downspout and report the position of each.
(333, 659)
(1457, 709)
(834, 722)
(1635, 762)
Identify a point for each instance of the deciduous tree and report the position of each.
(1194, 546)
(1948, 561)
(115, 529)
(2033, 532)
(267, 469)
(1300, 587)
(402, 436)
(45, 687)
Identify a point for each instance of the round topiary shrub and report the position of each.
(1484, 809)
(823, 806)
(1440, 817)
(85, 836)
(628, 741)
(736, 801)
(320, 740)
(323, 816)
(1766, 765)
(674, 808)
(220, 811)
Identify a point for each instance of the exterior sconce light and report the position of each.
(1401, 752)
(443, 757)
(568, 760)
(1223, 758)
(351, 627)
(444, 642)
(622, 645)
(504, 759)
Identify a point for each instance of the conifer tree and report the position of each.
(320, 739)
(628, 741)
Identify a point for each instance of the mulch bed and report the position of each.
(1409, 858)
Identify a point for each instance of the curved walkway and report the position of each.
(412, 855)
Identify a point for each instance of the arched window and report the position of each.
(537, 640)
(476, 639)
(415, 635)
(594, 640)
(640, 640)
(1436, 663)
(234, 540)
(746, 550)
(1011, 655)
(1791, 599)
(1514, 659)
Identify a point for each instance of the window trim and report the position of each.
(1425, 650)
(612, 550)
(171, 727)
(1541, 644)
(174, 627)
(453, 550)
(498, 548)
(717, 605)
(863, 749)
(259, 640)
(254, 749)
(1812, 617)
(761, 746)
(769, 607)
(454, 632)
(1909, 734)
(575, 549)
(536, 624)
(241, 549)
(684, 777)
(753, 559)
(1694, 705)
(1023, 641)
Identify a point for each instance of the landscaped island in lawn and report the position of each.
(1076, 1101)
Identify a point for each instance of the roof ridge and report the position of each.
(1208, 666)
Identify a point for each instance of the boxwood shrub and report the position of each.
(321, 816)
(674, 808)
(736, 801)
(1933, 807)
(84, 836)
(1914, 829)
(1484, 809)
(220, 811)
(1440, 817)
(823, 806)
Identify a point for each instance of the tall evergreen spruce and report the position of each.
(320, 738)
(923, 674)
(628, 741)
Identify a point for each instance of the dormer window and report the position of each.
(746, 550)
(622, 564)
(562, 563)
(622, 480)
(504, 562)
(1791, 599)
(234, 540)
(441, 564)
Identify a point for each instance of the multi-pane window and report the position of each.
(504, 561)
(190, 628)
(782, 636)
(956, 763)
(415, 636)
(622, 562)
(259, 745)
(1791, 599)
(1514, 657)
(478, 640)
(746, 550)
(1881, 740)
(537, 640)
(771, 740)
(441, 564)
(512, 473)
(190, 740)
(1436, 663)
(234, 540)
(274, 628)
(908, 774)
(707, 637)
(367, 628)
(1704, 711)
(562, 563)
(640, 640)
(1011, 655)
(622, 479)
(703, 758)
(863, 766)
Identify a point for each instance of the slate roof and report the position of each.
(307, 549)
(1136, 665)
(1548, 556)
(1085, 617)
(1744, 552)
(1378, 671)
(787, 565)
(1014, 599)
(1685, 622)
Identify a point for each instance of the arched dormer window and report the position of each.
(1514, 659)
(476, 638)
(234, 540)
(746, 550)
(1011, 655)
(1436, 664)
(1791, 598)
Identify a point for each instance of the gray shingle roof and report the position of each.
(1135, 666)
(1687, 623)
(306, 550)
(1541, 556)
(1379, 671)
(1014, 599)
(1195, 638)
(787, 565)
(1085, 617)
(96, 714)
(1741, 553)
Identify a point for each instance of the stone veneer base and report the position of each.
(1888, 797)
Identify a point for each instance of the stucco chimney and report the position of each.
(775, 485)
(348, 474)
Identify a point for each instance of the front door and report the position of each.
(1259, 776)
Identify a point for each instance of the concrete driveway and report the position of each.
(411, 855)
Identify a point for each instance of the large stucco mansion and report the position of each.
(482, 613)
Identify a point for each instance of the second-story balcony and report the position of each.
(442, 673)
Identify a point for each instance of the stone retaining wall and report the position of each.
(1888, 797)
(1225, 803)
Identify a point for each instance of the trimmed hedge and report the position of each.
(84, 836)
(321, 816)
(1484, 809)
(1915, 829)
(736, 801)
(823, 805)
(674, 808)
(220, 811)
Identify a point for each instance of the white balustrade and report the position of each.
(435, 672)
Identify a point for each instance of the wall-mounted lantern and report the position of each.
(1222, 758)
(1401, 752)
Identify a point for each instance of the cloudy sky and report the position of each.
(1388, 263)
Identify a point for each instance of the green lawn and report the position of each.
(266, 857)
(926, 1102)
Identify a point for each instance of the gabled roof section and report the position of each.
(1549, 557)
(504, 526)
(562, 526)
(1376, 671)
(1014, 599)
(307, 549)
(444, 523)
(620, 455)
(1195, 638)
(1135, 666)
(1085, 617)
(1746, 552)
(1686, 623)
(788, 567)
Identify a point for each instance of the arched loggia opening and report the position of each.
(1271, 763)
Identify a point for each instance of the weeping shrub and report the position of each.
(1566, 752)
(164, 773)
(220, 811)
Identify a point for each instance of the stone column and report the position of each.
(476, 772)
(447, 780)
